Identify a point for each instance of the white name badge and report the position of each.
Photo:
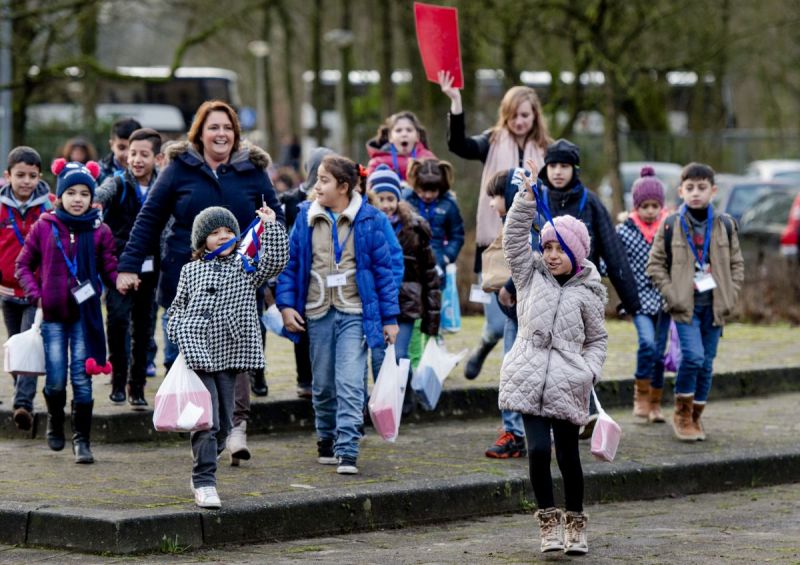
(477, 294)
(83, 292)
(338, 279)
(704, 282)
(148, 266)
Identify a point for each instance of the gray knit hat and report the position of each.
(210, 219)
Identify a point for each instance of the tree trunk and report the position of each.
(387, 50)
(87, 41)
(273, 139)
(611, 141)
(316, 67)
(347, 65)
(288, 69)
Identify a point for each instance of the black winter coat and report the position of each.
(420, 293)
(186, 187)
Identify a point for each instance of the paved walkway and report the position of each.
(748, 526)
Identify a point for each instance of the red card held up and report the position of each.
(437, 37)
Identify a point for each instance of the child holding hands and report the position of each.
(556, 359)
(214, 321)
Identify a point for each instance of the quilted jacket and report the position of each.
(562, 341)
(214, 319)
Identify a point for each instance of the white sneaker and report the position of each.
(347, 466)
(206, 497)
(237, 444)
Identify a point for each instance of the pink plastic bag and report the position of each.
(183, 403)
(606, 435)
(386, 400)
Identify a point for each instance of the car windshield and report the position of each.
(743, 198)
(774, 209)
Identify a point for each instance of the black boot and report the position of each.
(475, 362)
(81, 428)
(136, 396)
(258, 384)
(117, 395)
(55, 419)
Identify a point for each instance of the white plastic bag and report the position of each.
(606, 434)
(183, 403)
(24, 354)
(386, 400)
(434, 366)
(272, 320)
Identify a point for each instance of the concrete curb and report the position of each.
(465, 403)
(389, 505)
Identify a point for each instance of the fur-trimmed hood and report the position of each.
(246, 151)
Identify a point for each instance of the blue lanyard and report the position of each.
(72, 265)
(542, 207)
(13, 223)
(231, 242)
(581, 206)
(338, 249)
(395, 162)
(701, 260)
(212, 254)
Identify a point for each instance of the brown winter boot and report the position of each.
(641, 398)
(575, 542)
(551, 529)
(682, 419)
(697, 411)
(655, 415)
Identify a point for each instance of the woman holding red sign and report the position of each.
(520, 134)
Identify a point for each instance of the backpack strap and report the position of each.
(670, 225)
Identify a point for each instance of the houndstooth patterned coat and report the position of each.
(562, 341)
(214, 319)
(638, 249)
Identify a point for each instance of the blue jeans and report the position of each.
(61, 340)
(653, 331)
(170, 349)
(208, 444)
(699, 340)
(494, 321)
(400, 348)
(18, 316)
(338, 363)
(512, 421)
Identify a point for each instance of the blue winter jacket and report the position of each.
(184, 188)
(447, 225)
(375, 276)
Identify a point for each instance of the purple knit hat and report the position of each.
(647, 187)
(574, 234)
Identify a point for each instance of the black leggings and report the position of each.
(537, 434)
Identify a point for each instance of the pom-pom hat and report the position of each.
(573, 233)
(71, 173)
(210, 219)
(647, 187)
(384, 179)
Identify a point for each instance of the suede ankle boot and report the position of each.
(682, 418)
(655, 415)
(697, 411)
(641, 398)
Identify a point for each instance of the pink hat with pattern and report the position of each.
(574, 234)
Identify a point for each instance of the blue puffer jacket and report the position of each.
(375, 276)
(447, 225)
(186, 187)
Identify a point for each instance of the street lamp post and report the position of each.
(260, 50)
(341, 39)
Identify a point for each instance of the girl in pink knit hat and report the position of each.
(556, 359)
(652, 323)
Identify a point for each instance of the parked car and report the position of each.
(737, 194)
(774, 169)
(668, 173)
(769, 229)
